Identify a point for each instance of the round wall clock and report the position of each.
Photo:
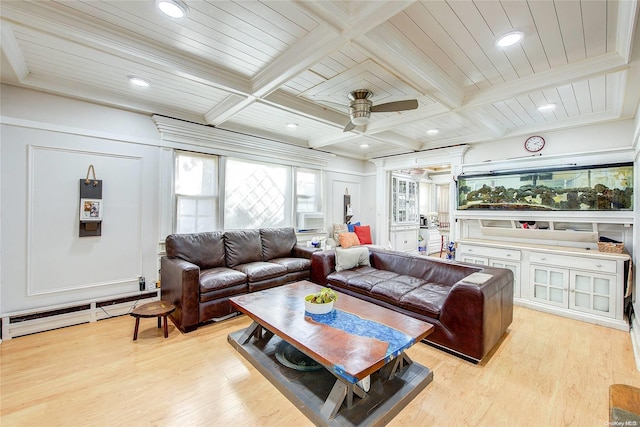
(533, 144)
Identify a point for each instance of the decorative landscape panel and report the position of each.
(586, 188)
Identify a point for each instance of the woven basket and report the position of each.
(611, 247)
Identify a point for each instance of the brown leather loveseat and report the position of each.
(202, 270)
(469, 318)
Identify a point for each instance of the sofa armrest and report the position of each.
(323, 263)
(471, 311)
(180, 285)
(300, 251)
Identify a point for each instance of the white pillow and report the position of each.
(348, 258)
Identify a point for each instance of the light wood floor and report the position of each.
(547, 371)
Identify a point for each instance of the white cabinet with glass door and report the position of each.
(404, 206)
(403, 233)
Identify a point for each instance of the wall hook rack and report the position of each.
(92, 170)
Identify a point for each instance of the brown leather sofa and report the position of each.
(202, 270)
(469, 319)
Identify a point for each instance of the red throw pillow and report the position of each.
(364, 234)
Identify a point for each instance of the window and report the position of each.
(257, 195)
(196, 193)
(308, 191)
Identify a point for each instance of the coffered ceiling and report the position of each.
(256, 66)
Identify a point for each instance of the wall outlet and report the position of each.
(141, 283)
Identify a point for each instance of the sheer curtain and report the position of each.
(442, 201)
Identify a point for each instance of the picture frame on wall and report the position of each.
(91, 210)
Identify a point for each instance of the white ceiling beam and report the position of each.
(323, 40)
(9, 46)
(316, 45)
(334, 139)
(384, 44)
(607, 63)
(627, 21)
(483, 121)
(226, 109)
(397, 140)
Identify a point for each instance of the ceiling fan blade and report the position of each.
(410, 104)
(349, 126)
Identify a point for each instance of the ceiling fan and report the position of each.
(361, 107)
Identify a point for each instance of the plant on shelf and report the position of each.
(325, 296)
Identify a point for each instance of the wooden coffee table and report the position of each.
(357, 343)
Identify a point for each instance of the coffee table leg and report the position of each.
(246, 336)
(389, 370)
(135, 331)
(334, 401)
(159, 321)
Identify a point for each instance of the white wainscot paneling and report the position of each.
(60, 261)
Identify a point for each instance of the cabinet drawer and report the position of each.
(509, 254)
(601, 265)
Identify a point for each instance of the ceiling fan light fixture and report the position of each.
(360, 118)
(509, 39)
(172, 8)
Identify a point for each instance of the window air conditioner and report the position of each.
(310, 221)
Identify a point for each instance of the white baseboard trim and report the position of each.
(48, 318)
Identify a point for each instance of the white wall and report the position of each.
(47, 145)
(350, 175)
(605, 136)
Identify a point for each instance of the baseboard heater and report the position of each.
(26, 323)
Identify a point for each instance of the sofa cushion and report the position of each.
(339, 228)
(257, 271)
(348, 258)
(206, 250)
(219, 278)
(393, 290)
(364, 234)
(242, 247)
(293, 264)
(277, 242)
(348, 239)
(426, 300)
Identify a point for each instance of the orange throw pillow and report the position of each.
(348, 239)
(364, 234)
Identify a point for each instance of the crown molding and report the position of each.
(236, 144)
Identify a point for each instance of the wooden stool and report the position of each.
(159, 309)
(624, 405)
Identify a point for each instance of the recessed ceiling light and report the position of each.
(509, 39)
(292, 125)
(546, 107)
(139, 81)
(172, 8)
(433, 132)
(364, 145)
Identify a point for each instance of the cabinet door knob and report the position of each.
(508, 255)
(543, 258)
(572, 290)
(598, 265)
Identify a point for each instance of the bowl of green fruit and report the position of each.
(320, 302)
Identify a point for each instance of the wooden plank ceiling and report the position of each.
(255, 66)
